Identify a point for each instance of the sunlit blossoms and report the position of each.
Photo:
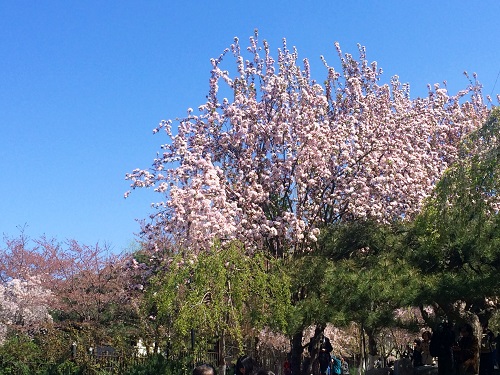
(273, 155)
(24, 304)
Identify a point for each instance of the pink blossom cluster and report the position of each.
(273, 155)
(24, 303)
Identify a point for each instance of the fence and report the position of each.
(118, 363)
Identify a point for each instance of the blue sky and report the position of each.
(82, 85)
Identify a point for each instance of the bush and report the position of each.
(20, 355)
(67, 368)
(158, 365)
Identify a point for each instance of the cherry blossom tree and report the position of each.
(25, 297)
(78, 284)
(23, 306)
(273, 155)
(90, 283)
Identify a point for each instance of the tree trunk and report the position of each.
(373, 352)
(372, 342)
(362, 342)
(222, 355)
(296, 352)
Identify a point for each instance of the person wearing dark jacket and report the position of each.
(441, 346)
(417, 353)
(467, 351)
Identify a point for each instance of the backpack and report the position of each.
(336, 366)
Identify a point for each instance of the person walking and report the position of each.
(426, 354)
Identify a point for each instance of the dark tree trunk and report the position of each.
(296, 353)
(372, 342)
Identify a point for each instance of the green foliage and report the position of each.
(21, 355)
(69, 368)
(455, 241)
(222, 292)
(307, 273)
(367, 279)
(158, 365)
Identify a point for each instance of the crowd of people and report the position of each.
(455, 351)
(329, 363)
(244, 366)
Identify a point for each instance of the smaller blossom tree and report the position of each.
(82, 285)
(24, 306)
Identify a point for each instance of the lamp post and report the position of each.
(73, 350)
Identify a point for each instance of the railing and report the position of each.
(117, 364)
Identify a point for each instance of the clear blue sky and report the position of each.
(83, 83)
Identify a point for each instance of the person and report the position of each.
(407, 353)
(417, 353)
(441, 346)
(391, 360)
(467, 351)
(497, 351)
(204, 370)
(324, 342)
(244, 366)
(345, 366)
(327, 344)
(426, 354)
(486, 356)
(287, 367)
(324, 359)
(265, 372)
